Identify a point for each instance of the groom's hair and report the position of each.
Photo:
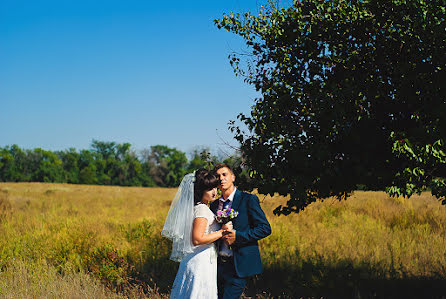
(204, 180)
(222, 165)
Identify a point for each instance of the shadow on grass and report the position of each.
(300, 278)
(343, 280)
(154, 266)
(312, 279)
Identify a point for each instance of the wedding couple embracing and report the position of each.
(210, 251)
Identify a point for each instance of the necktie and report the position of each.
(224, 205)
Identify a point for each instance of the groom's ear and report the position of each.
(233, 175)
(234, 180)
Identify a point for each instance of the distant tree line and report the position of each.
(106, 163)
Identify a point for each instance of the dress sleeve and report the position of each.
(201, 210)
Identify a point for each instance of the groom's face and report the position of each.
(227, 178)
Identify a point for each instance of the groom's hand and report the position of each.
(229, 237)
(227, 226)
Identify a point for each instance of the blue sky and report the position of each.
(143, 72)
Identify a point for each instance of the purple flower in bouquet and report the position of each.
(226, 215)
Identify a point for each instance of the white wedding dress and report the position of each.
(197, 274)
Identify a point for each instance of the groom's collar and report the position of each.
(230, 197)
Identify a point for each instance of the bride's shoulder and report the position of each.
(201, 209)
(201, 206)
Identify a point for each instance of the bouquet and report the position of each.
(226, 215)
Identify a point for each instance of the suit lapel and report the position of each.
(237, 199)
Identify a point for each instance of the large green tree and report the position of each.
(70, 162)
(14, 164)
(166, 165)
(352, 92)
(47, 166)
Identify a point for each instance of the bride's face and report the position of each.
(209, 195)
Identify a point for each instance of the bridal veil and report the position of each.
(179, 220)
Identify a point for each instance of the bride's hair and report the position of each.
(204, 180)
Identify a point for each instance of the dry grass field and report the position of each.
(78, 241)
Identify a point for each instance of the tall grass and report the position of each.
(104, 242)
(368, 246)
(37, 279)
(110, 233)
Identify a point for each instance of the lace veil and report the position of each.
(179, 220)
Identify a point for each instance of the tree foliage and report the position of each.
(167, 165)
(202, 158)
(352, 92)
(106, 163)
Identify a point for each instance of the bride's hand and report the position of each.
(227, 226)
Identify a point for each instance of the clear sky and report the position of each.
(143, 72)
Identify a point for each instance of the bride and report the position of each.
(192, 227)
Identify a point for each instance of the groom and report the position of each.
(239, 255)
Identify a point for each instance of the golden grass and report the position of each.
(84, 226)
(39, 280)
(89, 237)
(394, 235)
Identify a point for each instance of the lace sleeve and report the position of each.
(201, 210)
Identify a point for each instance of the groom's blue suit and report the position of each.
(250, 225)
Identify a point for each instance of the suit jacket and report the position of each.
(250, 225)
